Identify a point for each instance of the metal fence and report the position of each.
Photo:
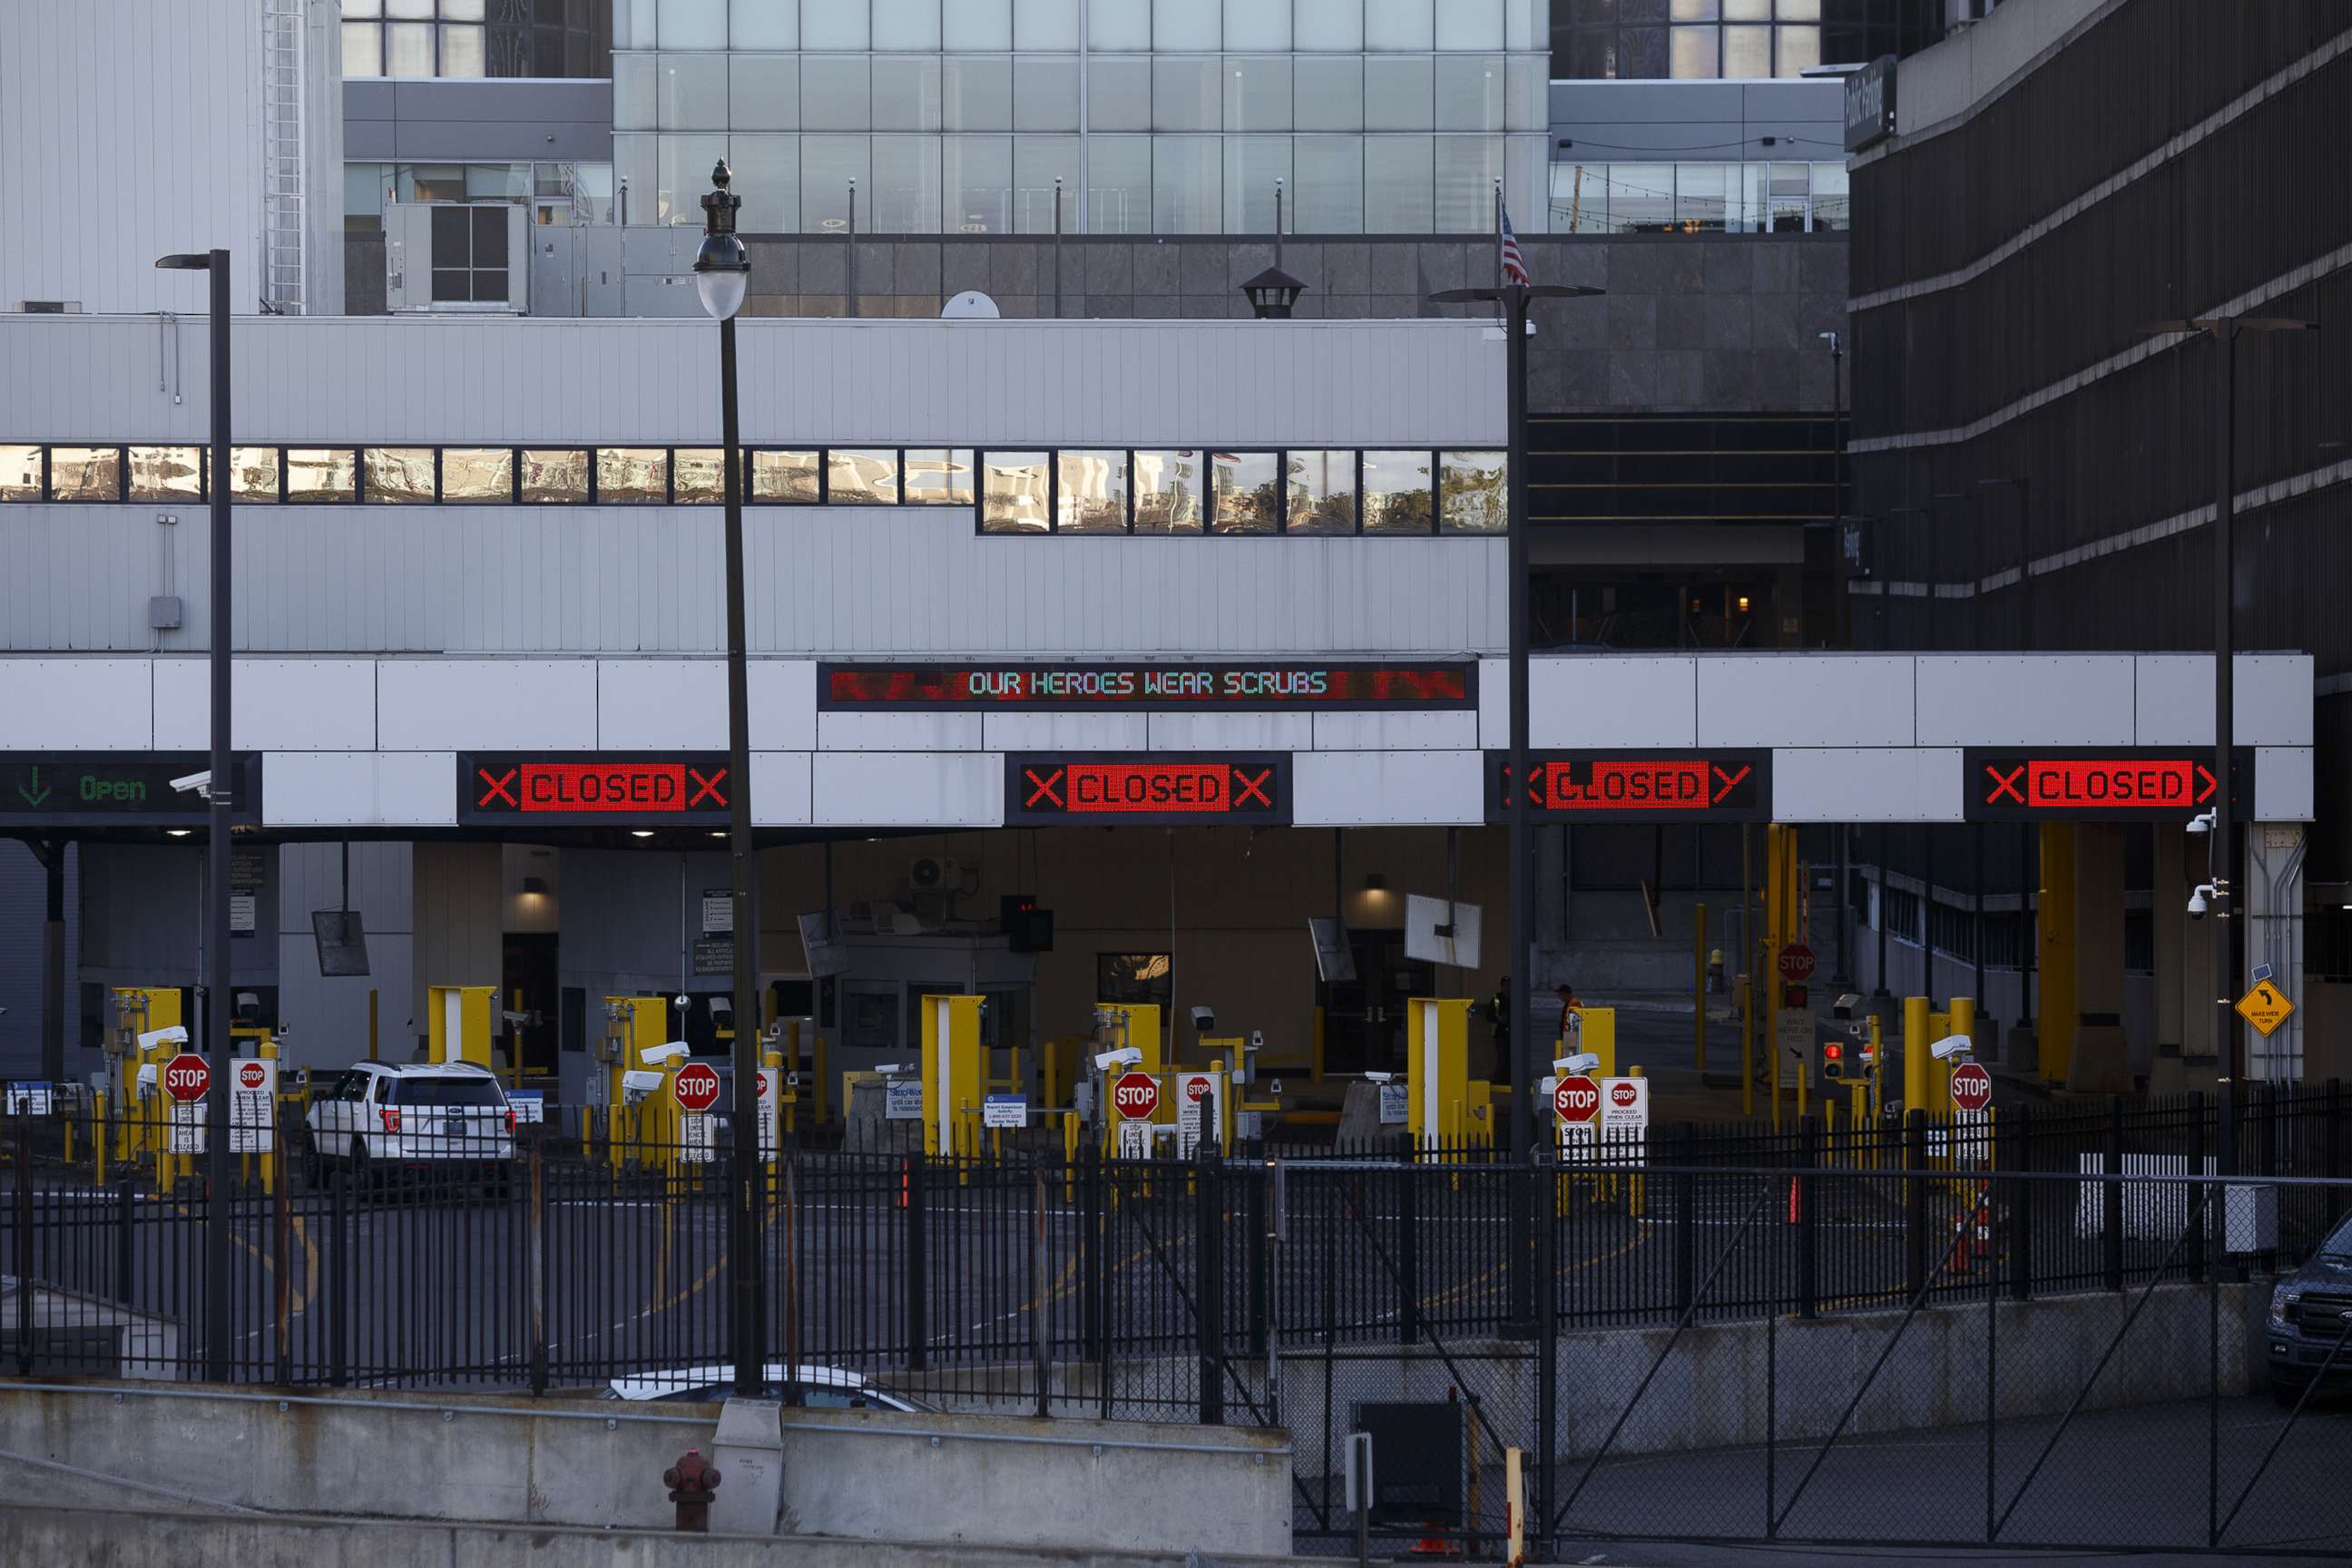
(1693, 1322)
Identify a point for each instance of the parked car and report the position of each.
(821, 1388)
(444, 1117)
(2311, 1312)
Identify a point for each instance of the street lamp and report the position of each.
(2229, 1042)
(1514, 297)
(722, 271)
(218, 803)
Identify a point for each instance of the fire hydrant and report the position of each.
(691, 1481)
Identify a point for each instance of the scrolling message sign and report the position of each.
(1638, 787)
(1148, 790)
(1229, 688)
(2121, 783)
(585, 789)
(121, 789)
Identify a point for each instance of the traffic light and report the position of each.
(1833, 1059)
(1027, 928)
(1794, 997)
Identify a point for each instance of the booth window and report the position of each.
(399, 473)
(1012, 492)
(478, 474)
(1167, 495)
(321, 474)
(20, 473)
(696, 477)
(791, 479)
(167, 473)
(554, 474)
(1091, 494)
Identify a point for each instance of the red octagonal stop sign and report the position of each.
(1576, 1098)
(697, 1087)
(249, 1075)
(1796, 963)
(1135, 1095)
(186, 1077)
(1971, 1087)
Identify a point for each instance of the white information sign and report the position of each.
(185, 1132)
(1793, 1048)
(528, 1105)
(697, 1137)
(1134, 1140)
(31, 1100)
(902, 1099)
(1006, 1110)
(1197, 1101)
(252, 1105)
(1396, 1104)
(772, 1111)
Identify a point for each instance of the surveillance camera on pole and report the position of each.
(1582, 1061)
(1952, 1047)
(1844, 1005)
(676, 1051)
(2197, 900)
(200, 784)
(2202, 822)
(1204, 1019)
(1125, 1057)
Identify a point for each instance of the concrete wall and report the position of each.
(1063, 1484)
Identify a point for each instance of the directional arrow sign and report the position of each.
(2265, 1007)
(34, 793)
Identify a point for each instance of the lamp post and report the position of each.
(722, 271)
(1841, 622)
(2228, 1040)
(2026, 881)
(1272, 293)
(219, 803)
(1515, 299)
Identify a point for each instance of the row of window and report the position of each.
(1697, 198)
(1091, 491)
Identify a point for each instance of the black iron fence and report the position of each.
(1751, 1320)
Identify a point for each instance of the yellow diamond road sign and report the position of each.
(2265, 1007)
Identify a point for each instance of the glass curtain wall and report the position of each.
(1155, 116)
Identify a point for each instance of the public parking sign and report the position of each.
(186, 1078)
(1135, 1095)
(1576, 1098)
(697, 1087)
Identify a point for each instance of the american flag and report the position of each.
(1507, 248)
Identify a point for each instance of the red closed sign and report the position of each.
(1135, 1095)
(186, 1077)
(251, 1075)
(1576, 1098)
(697, 1087)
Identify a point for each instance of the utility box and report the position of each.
(749, 1450)
(1419, 1462)
(2249, 1219)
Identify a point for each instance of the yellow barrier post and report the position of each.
(98, 1135)
(1437, 1060)
(951, 1070)
(1914, 1055)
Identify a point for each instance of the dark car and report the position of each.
(2311, 1312)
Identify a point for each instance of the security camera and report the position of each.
(2204, 821)
(676, 1051)
(684, 1001)
(1378, 1077)
(1582, 1061)
(1204, 1019)
(172, 1034)
(2197, 900)
(889, 1069)
(1125, 1057)
(201, 784)
(1951, 1046)
(1844, 1005)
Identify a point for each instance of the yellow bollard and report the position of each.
(97, 1137)
(1914, 1055)
(1963, 1010)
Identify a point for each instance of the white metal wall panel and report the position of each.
(310, 877)
(650, 704)
(2284, 785)
(79, 576)
(1610, 701)
(1805, 699)
(899, 732)
(1494, 701)
(784, 704)
(1897, 783)
(2270, 699)
(1396, 731)
(275, 704)
(498, 704)
(2042, 699)
(1064, 732)
(1232, 731)
(910, 789)
(1350, 789)
(76, 704)
(131, 129)
(781, 789)
(360, 789)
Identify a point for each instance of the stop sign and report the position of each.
(249, 1075)
(697, 1086)
(1576, 1098)
(1135, 1095)
(1196, 1090)
(1971, 1087)
(186, 1077)
(1622, 1094)
(1796, 963)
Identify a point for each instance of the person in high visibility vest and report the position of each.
(1568, 1005)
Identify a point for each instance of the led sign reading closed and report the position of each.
(2121, 784)
(1148, 790)
(594, 789)
(1721, 787)
(1232, 687)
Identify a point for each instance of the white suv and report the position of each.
(378, 1116)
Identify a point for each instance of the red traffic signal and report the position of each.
(1794, 996)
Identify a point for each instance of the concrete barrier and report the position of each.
(53, 1535)
(862, 1474)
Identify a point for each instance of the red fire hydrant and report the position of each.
(691, 1481)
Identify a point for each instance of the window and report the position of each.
(789, 478)
(1728, 39)
(557, 474)
(475, 473)
(632, 474)
(398, 473)
(1322, 492)
(696, 476)
(1397, 498)
(85, 473)
(976, 94)
(20, 473)
(253, 474)
(939, 476)
(1244, 494)
(1134, 979)
(1091, 493)
(469, 255)
(868, 475)
(1471, 495)
(164, 473)
(1012, 492)
(416, 1090)
(321, 474)
(1167, 495)
(522, 38)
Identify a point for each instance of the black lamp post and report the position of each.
(1520, 959)
(722, 271)
(217, 1337)
(1272, 293)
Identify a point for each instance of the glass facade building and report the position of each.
(567, 39)
(1154, 116)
